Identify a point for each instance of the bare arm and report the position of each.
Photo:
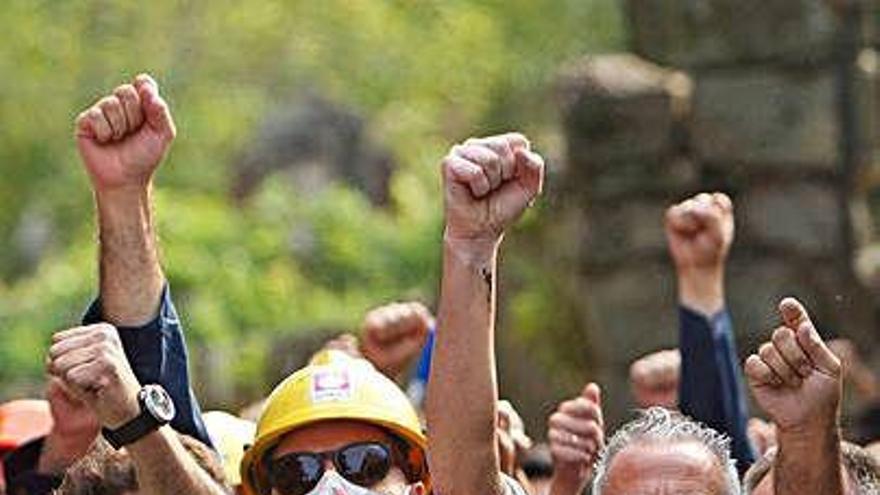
(121, 140)
(798, 381)
(165, 467)
(488, 183)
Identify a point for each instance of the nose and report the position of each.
(328, 465)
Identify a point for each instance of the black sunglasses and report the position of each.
(298, 473)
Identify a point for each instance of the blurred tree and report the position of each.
(420, 73)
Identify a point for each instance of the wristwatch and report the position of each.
(157, 410)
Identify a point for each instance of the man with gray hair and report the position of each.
(663, 452)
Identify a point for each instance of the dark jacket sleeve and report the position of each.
(711, 389)
(157, 354)
(20, 470)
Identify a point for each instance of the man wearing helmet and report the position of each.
(337, 426)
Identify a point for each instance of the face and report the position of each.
(665, 468)
(330, 436)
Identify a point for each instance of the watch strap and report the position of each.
(132, 431)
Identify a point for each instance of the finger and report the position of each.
(470, 174)
(99, 124)
(723, 202)
(484, 157)
(582, 409)
(517, 141)
(112, 109)
(759, 374)
(131, 104)
(823, 359)
(105, 331)
(501, 145)
(568, 455)
(680, 218)
(770, 355)
(83, 126)
(785, 341)
(530, 169)
(72, 359)
(581, 426)
(794, 314)
(572, 440)
(156, 112)
(89, 377)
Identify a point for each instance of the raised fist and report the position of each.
(124, 136)
(393, 335)
(576, 432)
(700, 231)
(92, 365)
(488, 183)
(654, 379)
(795, 377)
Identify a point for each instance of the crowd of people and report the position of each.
(120, 416)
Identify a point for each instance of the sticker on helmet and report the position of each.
(331, 385)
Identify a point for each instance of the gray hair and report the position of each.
(657, 423)
(858, 464)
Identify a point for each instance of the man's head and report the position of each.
(339, 421)
(663, 452)
(861, 473)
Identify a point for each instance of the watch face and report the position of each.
(158, 403)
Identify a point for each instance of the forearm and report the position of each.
(463, 452)
(809, 463)
(131, 277)
(164, 467)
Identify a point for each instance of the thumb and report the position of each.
(823, 359)
(794, 314)
(530, 170)
(593, 393)
(156, 111)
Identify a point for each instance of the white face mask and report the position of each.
(332, 483)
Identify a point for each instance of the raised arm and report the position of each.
(488, 183)
(798, 382)
(122, 140)
(700, 232)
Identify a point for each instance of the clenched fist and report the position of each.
(654, 379)
(124, 136)
(74, 428)
(394, 334)
(576, 432)
(795, 377)
(91, 363)
(699, 232)
(488, 183)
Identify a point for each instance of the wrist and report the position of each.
(701, 290)
(126, 410)
(473, 249)
(59, 453)
(568, 482)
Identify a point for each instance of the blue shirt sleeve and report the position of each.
(157, 354)
(711, 389)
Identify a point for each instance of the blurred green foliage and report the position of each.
(422, 73)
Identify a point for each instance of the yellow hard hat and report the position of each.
(333, 386)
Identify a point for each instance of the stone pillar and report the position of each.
(770, 101)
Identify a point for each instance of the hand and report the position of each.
(394, 334)
(762, 435)
(795, 378)
(74, 428)
(699, 232)
(346, 343)
(577, 435)
(91, 363)
(123, 137)
(488, 183)
(654, 379)
(512, 438)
